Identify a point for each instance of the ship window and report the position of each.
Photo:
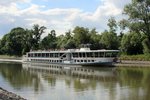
(96, 54)
(53, 55)
(43, 54)
(77, 60)
(39, 55)
(32, 54)
(88, 60)
(29, 55)
(56, 54)
(85, 60)
(92, 60)
(75, 55)
(88, 54)
(81, 60)
(80, 54)
(35, 55)
(108, 54)
(101, 54)
(61, 54)
(83, 54)
(50, 55)
(114, 54)
(93, 54)
(47, 54)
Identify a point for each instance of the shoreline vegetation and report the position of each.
(140, 57)
(10, 57)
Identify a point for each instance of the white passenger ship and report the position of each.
(82, 56)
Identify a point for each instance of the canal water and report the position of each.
(51, 82)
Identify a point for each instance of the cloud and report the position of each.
(8, 2)
(57, 18)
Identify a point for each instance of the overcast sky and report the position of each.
(60, 15)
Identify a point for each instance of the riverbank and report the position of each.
(5, 95)
(10, 57)
(132, 63)
(11, 60)
(121, 63)
(139, 57)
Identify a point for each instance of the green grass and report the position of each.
(141, 57)
(9, 57)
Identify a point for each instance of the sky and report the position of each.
(60, 15)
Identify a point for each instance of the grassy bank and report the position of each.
(141, 57)
(9, 57)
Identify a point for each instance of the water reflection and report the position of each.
(81, 78)
(137, 80)
(17, 77)
(36, 82)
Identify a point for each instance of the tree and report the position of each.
(66, 41)
(36, 33)
(139, 18)
(94, 39)
(81, 35)
(112, 24)
(49, 42)
(109, 40)
(12, 43)
(132, 43)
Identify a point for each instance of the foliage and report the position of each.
(19, 41)
(109, 40)
(49, 41)
(139, 19)
(66, 41)
(146, 46)
(36, 33)
(140, 57)
(132, 43)
(81, 35)
(112, 25)
(12, 43)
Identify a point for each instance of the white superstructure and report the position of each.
(83, 56)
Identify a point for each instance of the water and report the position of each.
(49, 82)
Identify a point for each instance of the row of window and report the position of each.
(83, 60)
(42, 60)
(45, 54)
(58, 61)
(87, 54)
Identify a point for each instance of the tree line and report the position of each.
(131, 35)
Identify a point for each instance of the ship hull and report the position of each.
(98, 64)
